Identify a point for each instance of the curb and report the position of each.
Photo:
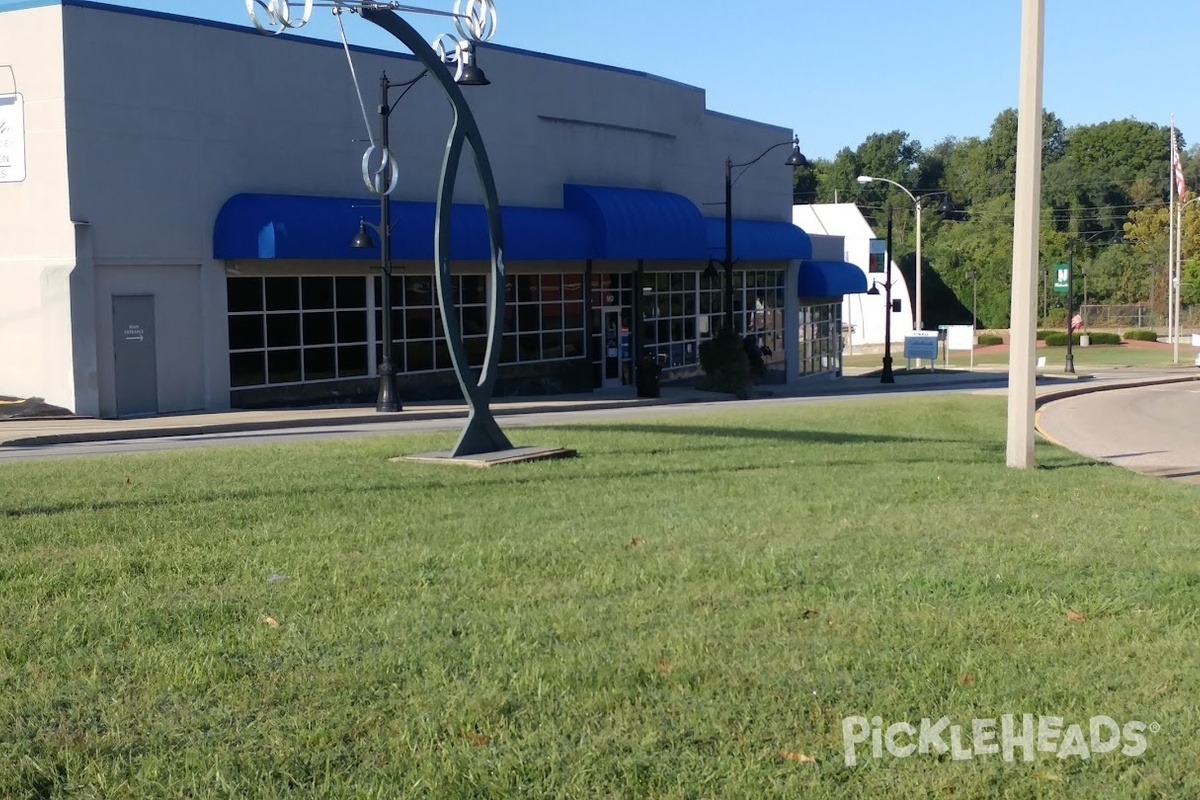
(984, 380)
(83, 437)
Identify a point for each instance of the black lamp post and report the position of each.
(1070, 367)
(796, 159)
(469, 75)
(973, 277)
(1083, 308)
(887, 375)
(387, 399)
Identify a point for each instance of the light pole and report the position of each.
(887, 376)
(918, 311)
(1070, 367)
(1083, 308)
(387, 399)
(1022, 370)
(796, 159)
(973, 277)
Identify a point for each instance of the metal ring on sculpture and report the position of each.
(451, 51)
(476, 21)
(279, 15)
(374, 180)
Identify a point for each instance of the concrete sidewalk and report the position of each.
(28, 432)
(33, 431)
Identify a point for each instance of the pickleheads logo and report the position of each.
(1027, 733)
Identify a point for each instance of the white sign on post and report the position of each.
(960, 337)
(12, 138)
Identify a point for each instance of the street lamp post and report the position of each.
(918, 306)
(1083, 308)
(796, 159)
(973, 277)
(887, 376)
(387, 399)
(1070, 367)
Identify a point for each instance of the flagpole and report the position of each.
(1171, 246)
(1178, 276)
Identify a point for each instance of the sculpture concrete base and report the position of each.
(513, 455)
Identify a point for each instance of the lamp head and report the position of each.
(874, 288)
(796, 159)
(864, 179)
(362, 240)
(947, 208)
(469, 73)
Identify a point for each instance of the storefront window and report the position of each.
(293, 329)
(820, 338)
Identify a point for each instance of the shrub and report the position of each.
(989, 338)
(1059, 338)
(1041, 335)
(1141, 336)
(725, 363)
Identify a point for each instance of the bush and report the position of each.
(1059, 338)
(989, 338)
(1103, 337)
(1041, 335)
(1141, 336)
(725, 363)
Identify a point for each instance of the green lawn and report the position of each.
(690, 609)
(1096, 356)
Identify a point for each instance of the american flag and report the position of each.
(1177, 168)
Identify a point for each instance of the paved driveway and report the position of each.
(1150, 429)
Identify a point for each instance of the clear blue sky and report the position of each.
(839, 70)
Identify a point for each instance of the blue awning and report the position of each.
(639, 223)
(831, 279)
(758, 240)
(596, 222)
(276, 226)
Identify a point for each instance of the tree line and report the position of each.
(1105, 187)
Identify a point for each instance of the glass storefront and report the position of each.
(682, 309)
(291, 330)
(303, 329)
(820, 338)
(612, 329)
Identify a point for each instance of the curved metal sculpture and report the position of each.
(477, 22)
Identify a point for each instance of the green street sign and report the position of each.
(1062, 274)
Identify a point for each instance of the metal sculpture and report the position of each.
(447, 60)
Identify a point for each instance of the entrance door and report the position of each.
(617, 355)
(135, 354)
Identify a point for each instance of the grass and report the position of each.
(690, 609)
(1096, 356)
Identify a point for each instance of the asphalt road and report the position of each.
(1152, 429)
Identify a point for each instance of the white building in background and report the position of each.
(863, 315)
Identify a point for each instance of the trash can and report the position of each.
(649, 377)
